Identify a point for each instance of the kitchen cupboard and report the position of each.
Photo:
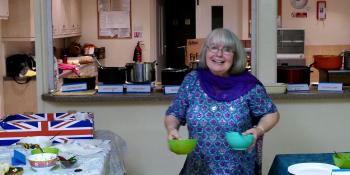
(19, 98)
(20, 24)
(4, 9)
(66, 17)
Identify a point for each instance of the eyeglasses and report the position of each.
(225, 50)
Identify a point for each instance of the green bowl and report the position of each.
(342, 160)
(183, 146)
(46, 150)
(237, 141)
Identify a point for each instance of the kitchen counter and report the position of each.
(159, 96)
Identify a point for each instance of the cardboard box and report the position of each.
(77, 125)
(193, 48)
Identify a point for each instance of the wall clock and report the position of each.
(298, 4)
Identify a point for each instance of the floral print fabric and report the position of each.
(208, 120)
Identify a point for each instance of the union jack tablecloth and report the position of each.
(66, 126)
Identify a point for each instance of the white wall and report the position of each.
(332, 31)
(120, 51)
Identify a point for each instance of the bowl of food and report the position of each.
(342, 160)
(42, 141)
(52, 150)
(238, 141)
(42, 161)
(68, 163)
(182, 146)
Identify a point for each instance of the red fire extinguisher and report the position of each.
(137, 53)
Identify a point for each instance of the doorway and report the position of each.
(179, 25)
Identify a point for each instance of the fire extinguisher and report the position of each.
(137, 53)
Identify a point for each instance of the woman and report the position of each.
(219, 97)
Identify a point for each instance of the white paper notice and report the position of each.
(114, 19)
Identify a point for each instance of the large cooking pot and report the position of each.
(111, 75)
(140, 72)
(328, 62)
(293, 74)
(172, 76)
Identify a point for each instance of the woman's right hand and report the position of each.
(173, 134)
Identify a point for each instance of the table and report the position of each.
(282, 161)
(108, 159)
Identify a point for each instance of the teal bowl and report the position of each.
(237, 141)
(183, 146)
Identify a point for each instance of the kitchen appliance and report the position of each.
(172, 76)
(328, 62)
(110, 75)
(140, 72)
(335, 76)
(293, 74)
(291, 63)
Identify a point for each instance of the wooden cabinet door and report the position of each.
(4, 9)
(66, 17)
(20, 98)
(20, 23)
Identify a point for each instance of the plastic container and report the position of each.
(237, 141)
(183, 146)
(342, 160)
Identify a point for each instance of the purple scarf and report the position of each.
(226, 88)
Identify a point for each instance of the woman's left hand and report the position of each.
(255, 132)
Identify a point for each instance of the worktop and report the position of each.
(159, 96)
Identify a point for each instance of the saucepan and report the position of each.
(140, 72)
(111, 75)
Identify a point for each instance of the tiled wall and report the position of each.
(321, 50)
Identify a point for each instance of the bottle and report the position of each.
(137, 53)
(65, 59)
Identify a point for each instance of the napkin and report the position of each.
(18, 158)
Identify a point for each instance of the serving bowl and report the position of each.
(238, 141)
(52, 150)
(42, 161)
(342, 160)
(42, 141)
(182, 146)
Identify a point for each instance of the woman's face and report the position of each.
(219, 59)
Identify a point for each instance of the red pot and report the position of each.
(327, 62)
(293, 74)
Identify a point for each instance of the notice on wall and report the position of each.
(114, 19)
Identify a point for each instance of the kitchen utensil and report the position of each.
(346, 59)
(110, 75)
(341, 160)
(182, 146)
(293, 74)
(327, 62)
(42, 161)
(239, 141)
(140, 72)
(172, 76)
(39, 150)
(311, 168)
(58, 133)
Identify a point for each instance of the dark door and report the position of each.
(180, 25)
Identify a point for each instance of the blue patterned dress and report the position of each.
(208, 120)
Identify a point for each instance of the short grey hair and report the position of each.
(227, 39)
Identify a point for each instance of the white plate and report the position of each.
(311, 169)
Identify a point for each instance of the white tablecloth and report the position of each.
(108, 161)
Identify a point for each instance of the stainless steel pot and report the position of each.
(143, 72)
